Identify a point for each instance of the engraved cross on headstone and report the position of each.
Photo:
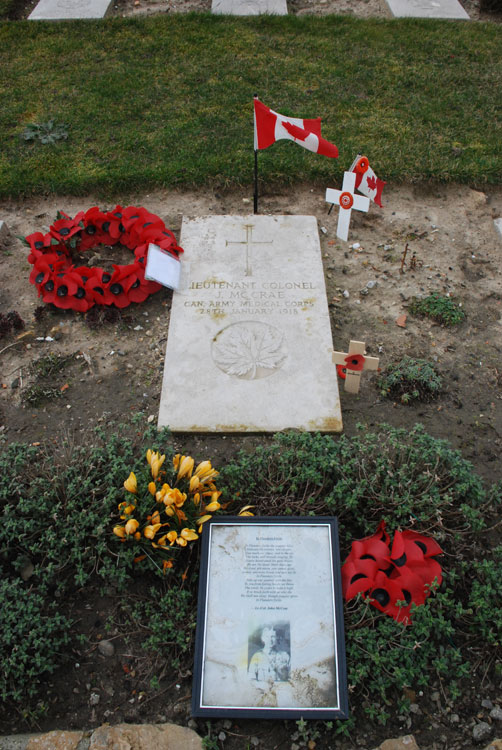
(248, 242)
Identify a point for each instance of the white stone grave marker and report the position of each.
(347, 200)
(428, 9)
(62, 10)
(250, 7)
(249, 346)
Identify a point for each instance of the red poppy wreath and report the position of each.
(70, 287)
(393, 579)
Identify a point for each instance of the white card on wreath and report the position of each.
(162, 267)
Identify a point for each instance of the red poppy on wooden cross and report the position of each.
(347, 200)
(354, 362)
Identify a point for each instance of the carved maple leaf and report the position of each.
(244, 347)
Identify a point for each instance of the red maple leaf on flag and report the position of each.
(367, 182)
(372, 183)
(295, 131)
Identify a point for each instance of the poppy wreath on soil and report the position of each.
(70, 287)
(392, 579)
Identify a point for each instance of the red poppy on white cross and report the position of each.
(347, 200)
(352, 364)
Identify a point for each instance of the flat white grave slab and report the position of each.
(428, 9)
(250, 346)
(250, 7)
(63, 10)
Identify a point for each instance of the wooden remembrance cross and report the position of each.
(355, 362)
(347, 200)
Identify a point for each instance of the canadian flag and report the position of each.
(366, 180)
(270, 126)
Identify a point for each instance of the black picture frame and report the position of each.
(270, 635)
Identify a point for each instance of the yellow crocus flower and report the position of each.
(194, 483)
(119, 531)
(160, 542)
(126, 510)
(212, 507)
(156, 464)
(131, 526)
(131, 484)
(176, 461)
(174, 497)
(182, 542)
(185, 467)
(209, 477)
(245, 511)
(172, 536)
(155, 517)
(214, 504)
(160, 494)
(152, 488)
(152, 456)
(203, 467)
(150, 531)
(189, 534)
(202, 520)
(205, 471)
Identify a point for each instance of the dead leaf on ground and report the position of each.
(401, 321)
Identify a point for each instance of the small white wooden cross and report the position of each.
(347, 200)
(355, 358)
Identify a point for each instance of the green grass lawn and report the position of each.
(167, 100)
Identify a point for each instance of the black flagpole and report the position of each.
(255, 207)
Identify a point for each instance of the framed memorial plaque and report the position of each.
(270, 639)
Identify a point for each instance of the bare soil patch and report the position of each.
(358, 8)
(114, 370)
(117, 366)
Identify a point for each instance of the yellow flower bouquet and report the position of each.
(164, 515)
